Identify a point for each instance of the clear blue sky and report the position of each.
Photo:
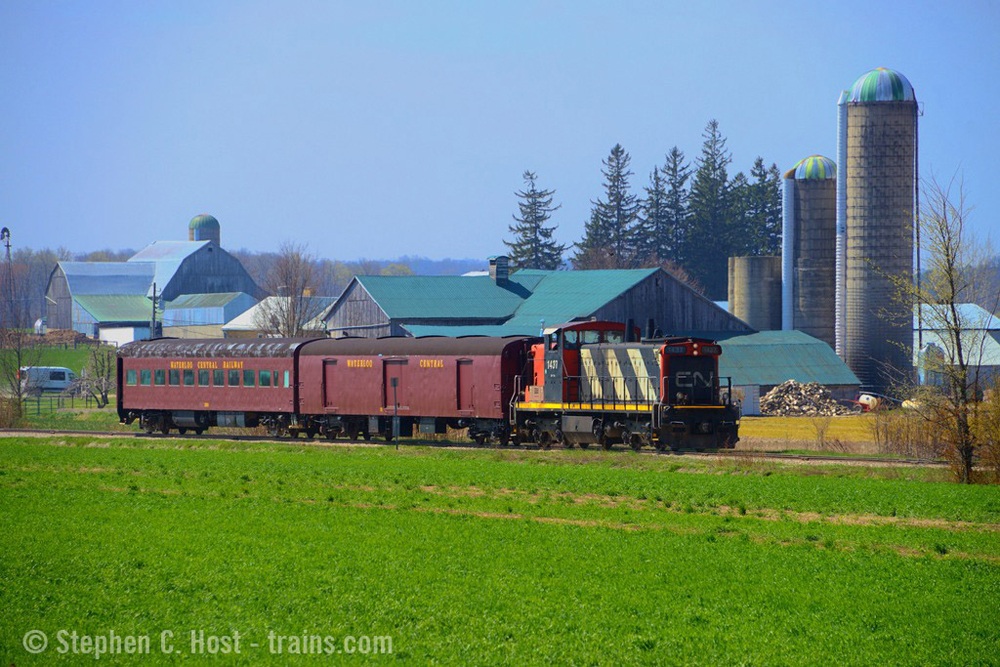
(371, 129)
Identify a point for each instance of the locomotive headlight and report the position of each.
(705, 427)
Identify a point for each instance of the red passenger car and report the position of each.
(357, 385)
(194, 384)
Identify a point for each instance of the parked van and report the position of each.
(36, 379)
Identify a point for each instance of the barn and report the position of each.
(522, 302)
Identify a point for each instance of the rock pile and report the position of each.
(794, 399)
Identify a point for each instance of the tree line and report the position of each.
(689, 218)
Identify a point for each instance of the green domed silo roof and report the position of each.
(814, 167)
(881, 85)
(203, 221)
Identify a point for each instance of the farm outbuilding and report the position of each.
(519, 303)
(79, 294)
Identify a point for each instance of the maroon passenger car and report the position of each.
(357, 385)
(194, 384)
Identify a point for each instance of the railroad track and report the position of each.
(730, 454)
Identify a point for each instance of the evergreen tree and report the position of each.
(677, 220)
(741, 223)
(772, 211)
(611, 231)
(710, 232)
(761, 227)
(533, 246)
(654, 238)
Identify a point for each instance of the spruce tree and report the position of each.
(677, 221)
(742, 217)
(654, 237)
(611, 233)
(533, 246)
(710, 233)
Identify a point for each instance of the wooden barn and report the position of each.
(503, 303)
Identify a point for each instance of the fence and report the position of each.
(36, 405)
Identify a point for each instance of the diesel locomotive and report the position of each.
(579, 384)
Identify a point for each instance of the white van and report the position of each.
(36, 379)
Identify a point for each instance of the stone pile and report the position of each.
(794, 399)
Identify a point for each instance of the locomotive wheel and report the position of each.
(636, 442)
(164, 426)
(480, 438)
(330, 435)
(182, 430)
(199, 431)
(584, 445)
(544, 440)
(310, 433)
(352, 433)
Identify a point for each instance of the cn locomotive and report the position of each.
(578, 384)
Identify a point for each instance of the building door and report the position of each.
(329, 383)
(465, 385)
(393, 389)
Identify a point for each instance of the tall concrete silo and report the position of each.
(808, 248)
(755, 291)
(877, 194)
(205, 227)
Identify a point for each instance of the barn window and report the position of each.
(234, 378)
(219, 378)
(130, 378)
(265, 378)
(159, 377)
(189, 378)
(145, 377)
(203, 377)
(175, 377)
(248, 378)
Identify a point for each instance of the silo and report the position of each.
(755, 291)
(204, 227)
(809, 222)
(877, 199)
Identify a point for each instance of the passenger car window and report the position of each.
(175, 378)
(130, 378)
(189, 378)
(286, 379)
(203, 376)
(248, 378)
(234, 378)
(219, 378)
(145, 377)
(265, 378)
(159, 377)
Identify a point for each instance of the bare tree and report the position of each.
(953, 341)
(99, 376)
(18, 349)
(293, 306)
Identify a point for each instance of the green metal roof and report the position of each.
(117, 307)
(203, 221)
(772, 357)
(564, 295)
(481, 330)
(881, 85)
(447, 297)
(202, 300)
(980, 348)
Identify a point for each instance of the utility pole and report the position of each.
(9, 314)
(152, 321)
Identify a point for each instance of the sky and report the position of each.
(382, 129)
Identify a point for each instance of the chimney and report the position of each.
(499, 270)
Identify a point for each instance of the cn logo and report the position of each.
(695, 379)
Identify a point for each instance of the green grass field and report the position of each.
(72, 358)
(482, 556)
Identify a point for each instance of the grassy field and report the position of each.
(848, 429)
(72, 358)
(496, 556)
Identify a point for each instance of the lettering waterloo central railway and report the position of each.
(206, 364)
